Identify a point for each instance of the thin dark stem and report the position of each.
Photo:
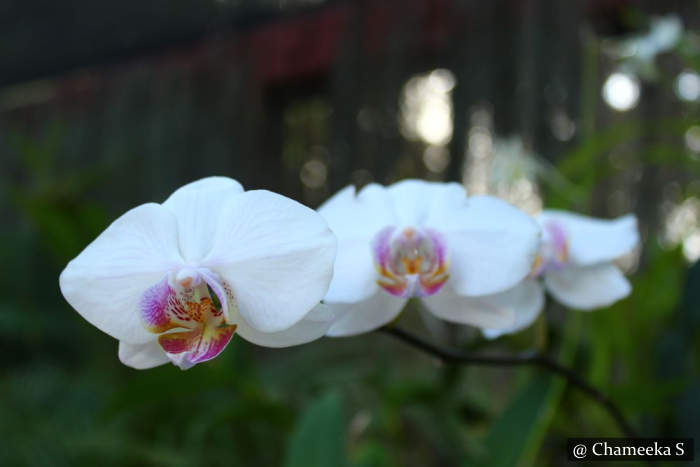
(526, 359)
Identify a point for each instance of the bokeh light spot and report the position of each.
(621, 91)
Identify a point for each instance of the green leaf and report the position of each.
(515, 438)
(319, 437)
(373, 454)
(518, 433)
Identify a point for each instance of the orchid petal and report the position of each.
(491, 243)
(354, 274)
(415, 199)
(591, 240)
(491, 311)
(312, 327)
(588, 287)
(358, 215)
(142, 356)
(324, 313)
(367, 315)
(527, 301)
(355, 219)
(106, 281)
(276, 256)
(197, 206)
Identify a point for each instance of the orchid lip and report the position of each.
(554, 250)
(411, 262)
(189, 277)
(191, 328)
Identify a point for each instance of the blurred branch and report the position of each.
(545, 362)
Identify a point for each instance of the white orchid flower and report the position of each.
(575, 265)
(427, 240)
(147, 279)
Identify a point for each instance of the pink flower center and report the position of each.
(191, 328)
(554, 250)
(411, 262)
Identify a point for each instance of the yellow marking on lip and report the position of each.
(412, 266)
(564, 253)
(536, 263)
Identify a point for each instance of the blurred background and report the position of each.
(591, 106)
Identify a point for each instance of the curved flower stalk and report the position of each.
(426, 240)
(574, 264)
(175, 281)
